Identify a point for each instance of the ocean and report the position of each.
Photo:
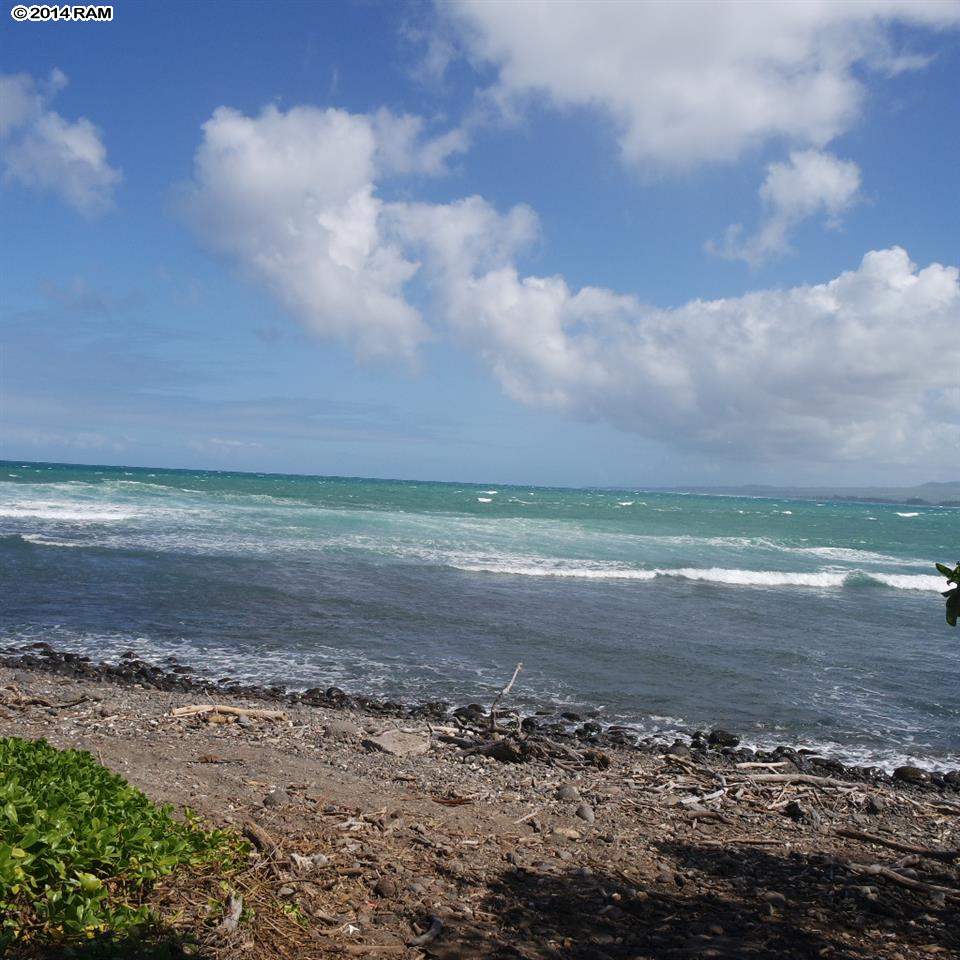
(800, 622)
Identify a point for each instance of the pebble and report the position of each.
(337, 729)
(386, 888)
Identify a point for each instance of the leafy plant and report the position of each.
(79, 846)
(952, 595)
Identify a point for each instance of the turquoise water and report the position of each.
(786, 620)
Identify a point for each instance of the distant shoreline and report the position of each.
(947, 495)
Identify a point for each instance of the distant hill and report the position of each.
(945, 494)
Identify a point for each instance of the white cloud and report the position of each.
(811, 184)
(43, 151)
(402, 150)
(292, 197)
(863, 367)
(700, 81)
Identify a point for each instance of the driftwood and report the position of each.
(12, 697)
(502, 694)
(436, 925)
(363, 949)
(804, 779)
(946, 856)
(878, 870)
(259, 837)
(199, 709)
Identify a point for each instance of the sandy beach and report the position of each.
(377, 831)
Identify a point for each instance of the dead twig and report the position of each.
(501, 695)
(946, 856)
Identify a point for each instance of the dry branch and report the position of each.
(947, 856)
(502, 694)
(198, 709)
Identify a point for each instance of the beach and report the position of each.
(382, 829)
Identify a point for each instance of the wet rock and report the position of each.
(908, 774)
(471, 713)
(719, 737)
(399, 743)
(434, 710)
(800, 813)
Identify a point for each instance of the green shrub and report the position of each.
(80, 847)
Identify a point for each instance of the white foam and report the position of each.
(491, 492)
(904, 581)
(484, 499)
(823, 579)
(851, 555)
(71, 512)
(50, 542)
(625, 503)
(907, 514)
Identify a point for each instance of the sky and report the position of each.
(558, 243)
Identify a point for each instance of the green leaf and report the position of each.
(953, 576)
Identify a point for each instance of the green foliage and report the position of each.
(952, 595)
(79, 846)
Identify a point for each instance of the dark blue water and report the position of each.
(789, 621)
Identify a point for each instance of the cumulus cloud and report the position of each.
(43, 151)
(291, 196)
(402, 148)
(701, 82)
(862, 367)
(812, 183)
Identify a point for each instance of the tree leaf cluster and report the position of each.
(953, 595)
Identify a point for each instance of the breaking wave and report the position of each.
(732, 577)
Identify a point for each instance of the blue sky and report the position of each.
(238, 236)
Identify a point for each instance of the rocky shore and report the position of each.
(385, 829)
